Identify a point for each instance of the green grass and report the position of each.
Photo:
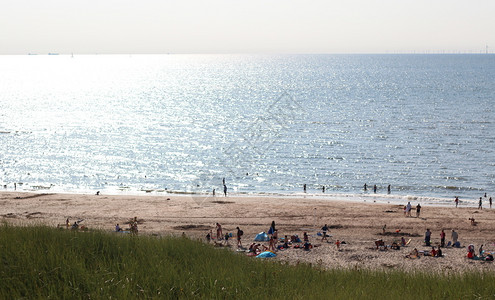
(41, 262)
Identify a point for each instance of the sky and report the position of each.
(251, 26)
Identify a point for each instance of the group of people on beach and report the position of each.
(408, 209)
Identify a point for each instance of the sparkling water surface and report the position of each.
(425, 124)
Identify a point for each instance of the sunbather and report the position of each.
(413, 254)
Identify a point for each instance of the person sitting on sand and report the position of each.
(208, 237)
(254, 248)
(395, 246)
(379, 243)
(305, 237)
(433, 252)
(481, 251)
(295, 239)
(307, 246)
(75, 226)
(413, 254)
(337, 243)
(226, 237)
(117, 228)
(471, 254)
(402, 241)
(439, 252)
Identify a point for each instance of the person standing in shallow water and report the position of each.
(456, 201)
(225, 190)
(304, 188)
(389, 188)
(480, 204)
(374, 188)
(365, 187)
(490, 201)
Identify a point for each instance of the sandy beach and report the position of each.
(358, 224)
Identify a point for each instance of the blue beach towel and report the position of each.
(266, 254)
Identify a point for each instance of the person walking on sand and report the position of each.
(225, 190)
(418, 210)
(408, 209)
(490, 201)
(480, 204)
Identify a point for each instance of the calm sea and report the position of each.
(425, 124)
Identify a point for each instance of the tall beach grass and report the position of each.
(41, 262)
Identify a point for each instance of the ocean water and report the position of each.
(158, 124)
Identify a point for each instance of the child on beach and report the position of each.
(337, 243)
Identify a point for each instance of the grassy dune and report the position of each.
(41, 262)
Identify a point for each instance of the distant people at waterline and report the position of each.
(456, 200)
(374, 189)
(365, 187)
(304, 188)
(480, 204)
(389, 188)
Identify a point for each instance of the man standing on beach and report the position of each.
(408, 209)
(225, 190)
(427, 237)
(455, 236)
(490, 201)
(418, 210)
(456, 201)
(374, 188)
(442, 238)
(480, 204)
(324, 230)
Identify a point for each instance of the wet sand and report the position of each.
(359, 224)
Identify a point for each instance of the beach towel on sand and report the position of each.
(266, 254)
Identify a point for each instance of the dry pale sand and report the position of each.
(358, 224)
